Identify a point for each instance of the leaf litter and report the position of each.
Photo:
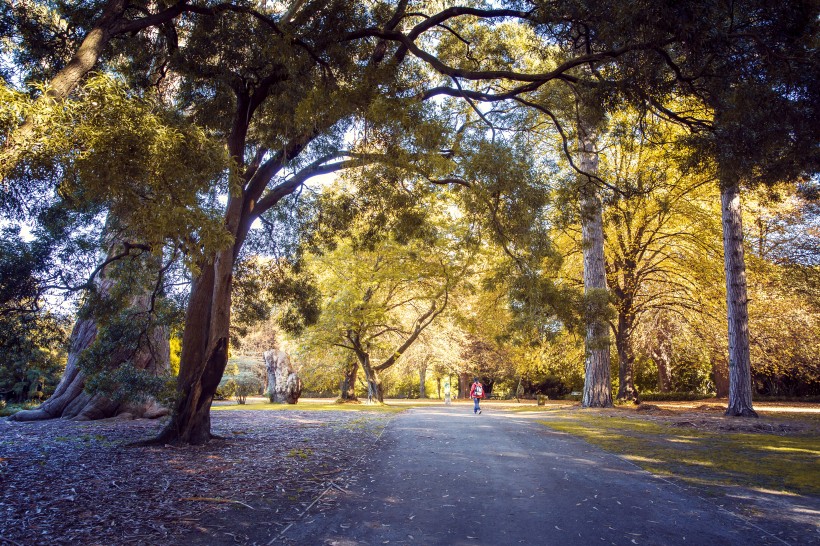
(65, 482)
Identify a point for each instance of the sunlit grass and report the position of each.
(766, 461)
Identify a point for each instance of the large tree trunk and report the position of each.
(204, 355)
(349, 382)
(422, 380)
(597, 379)
(626, 358)
(375, 392)
(740, 374)
(661, 353)
(464, 385)
(71, 401)
(284, 386)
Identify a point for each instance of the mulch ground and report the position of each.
(63, 482)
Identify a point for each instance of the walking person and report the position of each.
(476, 393)
(447, 391)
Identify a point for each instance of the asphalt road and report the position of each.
(446, 476)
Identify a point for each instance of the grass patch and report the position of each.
(769, 461)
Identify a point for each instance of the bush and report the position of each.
(226, 390)
(245, 386)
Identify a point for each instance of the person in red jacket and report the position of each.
(476, 393)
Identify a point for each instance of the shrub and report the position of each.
(226, 390)
(246, 386)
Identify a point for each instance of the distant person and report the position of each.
(476, 393)
(447, 392)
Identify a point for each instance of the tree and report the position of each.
(772, 75)
(85, 158)
(379, 300)
(92, 35)
(659, 233)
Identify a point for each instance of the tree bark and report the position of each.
(661, 353)
(284, 386)
(375, 392)
(203, 359)
(71, 401)
(626, 357)
(740, 374)
(597, 380)
(349, 382)
(422, 380)
(464, 385)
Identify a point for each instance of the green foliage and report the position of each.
(32, 355)
(131, 317)
(246, 386)
(265, 287)
(108, 147)
(243, 377)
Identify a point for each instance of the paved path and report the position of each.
(446, 476)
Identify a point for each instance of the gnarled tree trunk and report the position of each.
(740, 371)
(284, 386)
(348, 386)
(375, 392)
(71, 401)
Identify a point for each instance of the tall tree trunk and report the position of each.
(626, 357)
(740, 374)
(206, 336)
(422, 380)
(349, 382)
(204, 356)
(71, 401)
(597, 379)
(464, 385)
(661, 354)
